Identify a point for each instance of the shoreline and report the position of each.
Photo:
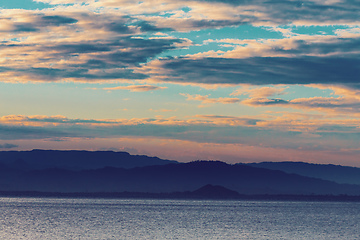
(181, 196)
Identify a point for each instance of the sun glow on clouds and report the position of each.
(137, 88)
(291, 92)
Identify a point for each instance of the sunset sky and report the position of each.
(230, 80)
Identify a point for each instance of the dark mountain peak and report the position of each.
(215, 191)
(208, 163)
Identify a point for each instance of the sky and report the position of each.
(229, 80)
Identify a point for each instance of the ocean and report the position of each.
(66, 218)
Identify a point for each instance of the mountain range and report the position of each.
(75, 160)
(106, 171)
(336, 173)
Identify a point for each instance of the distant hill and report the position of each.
(216, 192)
(180, 177)
(75, 160)
(336, 173)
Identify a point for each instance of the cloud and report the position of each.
(284, 132)
(8, 145)
(293, 46)
(26, 21)
(340, 105)
(206, 100)
(106, 40)
(256, 12)
(261, 70)
(348, 102)
(146, 26)
(215, 13)
(346, 92)
(75, 45)
(256, 92)
(16, 132)
(265, 102)
(137, 88)
(56, 20)
(162, 110)
(295, 60)
(230, 120)
(40, 120)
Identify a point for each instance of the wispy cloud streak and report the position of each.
(136, 88)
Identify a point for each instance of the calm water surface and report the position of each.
(51, 218)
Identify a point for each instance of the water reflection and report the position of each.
(51, 218)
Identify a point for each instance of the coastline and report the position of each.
(182, 195)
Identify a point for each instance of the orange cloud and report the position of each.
(259, 92)
(137, 88)
(206, 100)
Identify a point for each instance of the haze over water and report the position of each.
(55, 218)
